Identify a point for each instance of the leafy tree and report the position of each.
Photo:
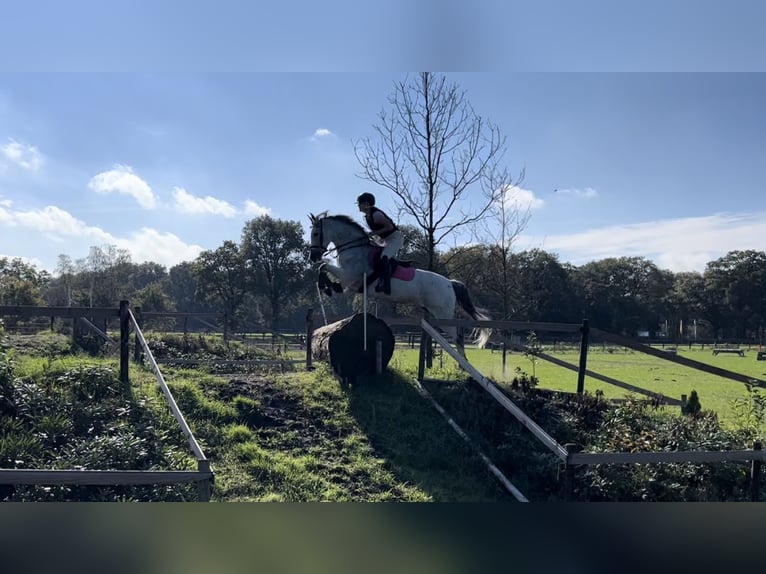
(181, 287)
(687, 298)
(222, 279)
(106, 271)
(623, 294)
(153, 298)
(21, 283)
(141, 275)
(736, 292)
(541, 288)
(436, 155)
(414, 246)
(275, 254)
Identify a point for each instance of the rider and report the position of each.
(382, 226)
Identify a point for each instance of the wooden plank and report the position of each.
(99, 332)
(664, 457)
(625, 342)
(592, 374)
(166, 391)
(72, 312)
(507, 403)
(100, 477)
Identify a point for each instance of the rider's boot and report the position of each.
(388, 269)
(383, 280)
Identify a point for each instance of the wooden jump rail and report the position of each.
(203, 476)
(713, 370)
(493, 390)
(612, 381)
(203, 465)
(570, 454)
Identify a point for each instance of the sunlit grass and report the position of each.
(638, 369)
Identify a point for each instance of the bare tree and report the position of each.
(508, 217)
(436, 155)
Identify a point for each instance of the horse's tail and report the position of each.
(464, 299)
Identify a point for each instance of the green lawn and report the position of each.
(635, 368)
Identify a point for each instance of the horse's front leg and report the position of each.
(346, 280)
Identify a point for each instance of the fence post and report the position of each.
(425, 342)
(124, 348)
(585, 329)
(569, 478)
(755, 474)
(204, 487)
(137, 351)
(309, 334)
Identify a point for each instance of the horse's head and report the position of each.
(318, 243)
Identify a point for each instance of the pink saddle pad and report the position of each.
(402, 273)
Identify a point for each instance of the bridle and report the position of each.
(338, 249)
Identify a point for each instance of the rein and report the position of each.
(360, 241)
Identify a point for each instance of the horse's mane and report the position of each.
(348, 221)
(345, 219)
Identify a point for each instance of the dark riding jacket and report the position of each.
(374, 226)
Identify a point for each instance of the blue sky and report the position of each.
(663, 165)
(163, 126)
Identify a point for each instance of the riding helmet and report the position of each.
(366, 198)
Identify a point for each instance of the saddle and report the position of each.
(403, 269)
(398, 268)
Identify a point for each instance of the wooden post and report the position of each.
(755, 474)
(569, 479)
(137, 351)
(583, 356)
(124, 348)
(204, 487)
(309, 332)
(505, 351)
(424, 343)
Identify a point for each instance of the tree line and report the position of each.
(266, 279)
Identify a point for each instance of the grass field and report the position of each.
(638, 369)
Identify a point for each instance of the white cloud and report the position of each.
(54, 223)
(254, 210)
(188, 203)
(59, 226)
(321, 133)
(522, 199)
(164, 248)
(586, 193)
(684, 244)
(24, 155)
(122, 180)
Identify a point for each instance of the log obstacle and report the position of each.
(342, 345)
